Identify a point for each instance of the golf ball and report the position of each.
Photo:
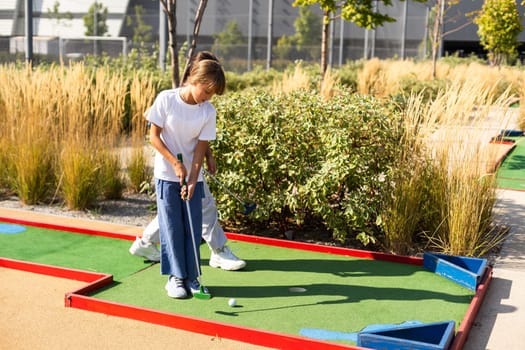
(232, 302)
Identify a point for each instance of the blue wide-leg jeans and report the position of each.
(177, 254)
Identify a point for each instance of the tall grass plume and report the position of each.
(298, 80)
(460, 193)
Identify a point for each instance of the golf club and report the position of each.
(201, 294)
(248, 207)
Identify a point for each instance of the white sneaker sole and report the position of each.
(135, 250)
(235, 267)
(149, 258)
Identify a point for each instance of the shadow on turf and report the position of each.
(349, 270)
(349, 293)
(517, 162)
(342, 268)
(236, 313)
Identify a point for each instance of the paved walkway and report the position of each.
(501, 318)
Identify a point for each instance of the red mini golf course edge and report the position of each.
(79, 299)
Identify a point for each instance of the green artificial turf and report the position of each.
(511, 172)
(342, 294)
(71, 250)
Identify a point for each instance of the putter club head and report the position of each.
(249, 207)
(202, 295)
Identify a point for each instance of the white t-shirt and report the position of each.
(183, 125)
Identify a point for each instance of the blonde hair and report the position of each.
(199, 56)
(208, 71)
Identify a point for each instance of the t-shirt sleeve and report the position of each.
(209, 131)
(156, 113)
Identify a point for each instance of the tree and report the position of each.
(283, 47)
(436, 36)
(306, 37)
(97, 12)
(440, 11)
(170, 9)
(307, 32)
(196, 29)
(55, 13)
(229, 41)
(362, 13)
(498, 29)
(141, 31)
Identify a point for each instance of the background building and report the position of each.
(403, 38)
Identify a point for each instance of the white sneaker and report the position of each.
(175, 288)
(226, 260)
(146, 250)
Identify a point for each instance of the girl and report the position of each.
(212, 232)
(183, 122)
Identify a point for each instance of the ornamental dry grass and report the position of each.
(299, 80)
(142, 93)
(28, 142)
(443, 192)
(59, 129)
(405, 205)
(383, 78)
(328, 87)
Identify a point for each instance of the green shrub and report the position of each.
(427, 90)
(347, 74)
(298, 156)
(455, 60)
(258, 77)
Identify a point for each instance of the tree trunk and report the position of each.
(436, 35)
(170, 7)
(324, 43)
(196, 29)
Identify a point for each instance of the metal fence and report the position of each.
(403, 38)
(234, 57)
